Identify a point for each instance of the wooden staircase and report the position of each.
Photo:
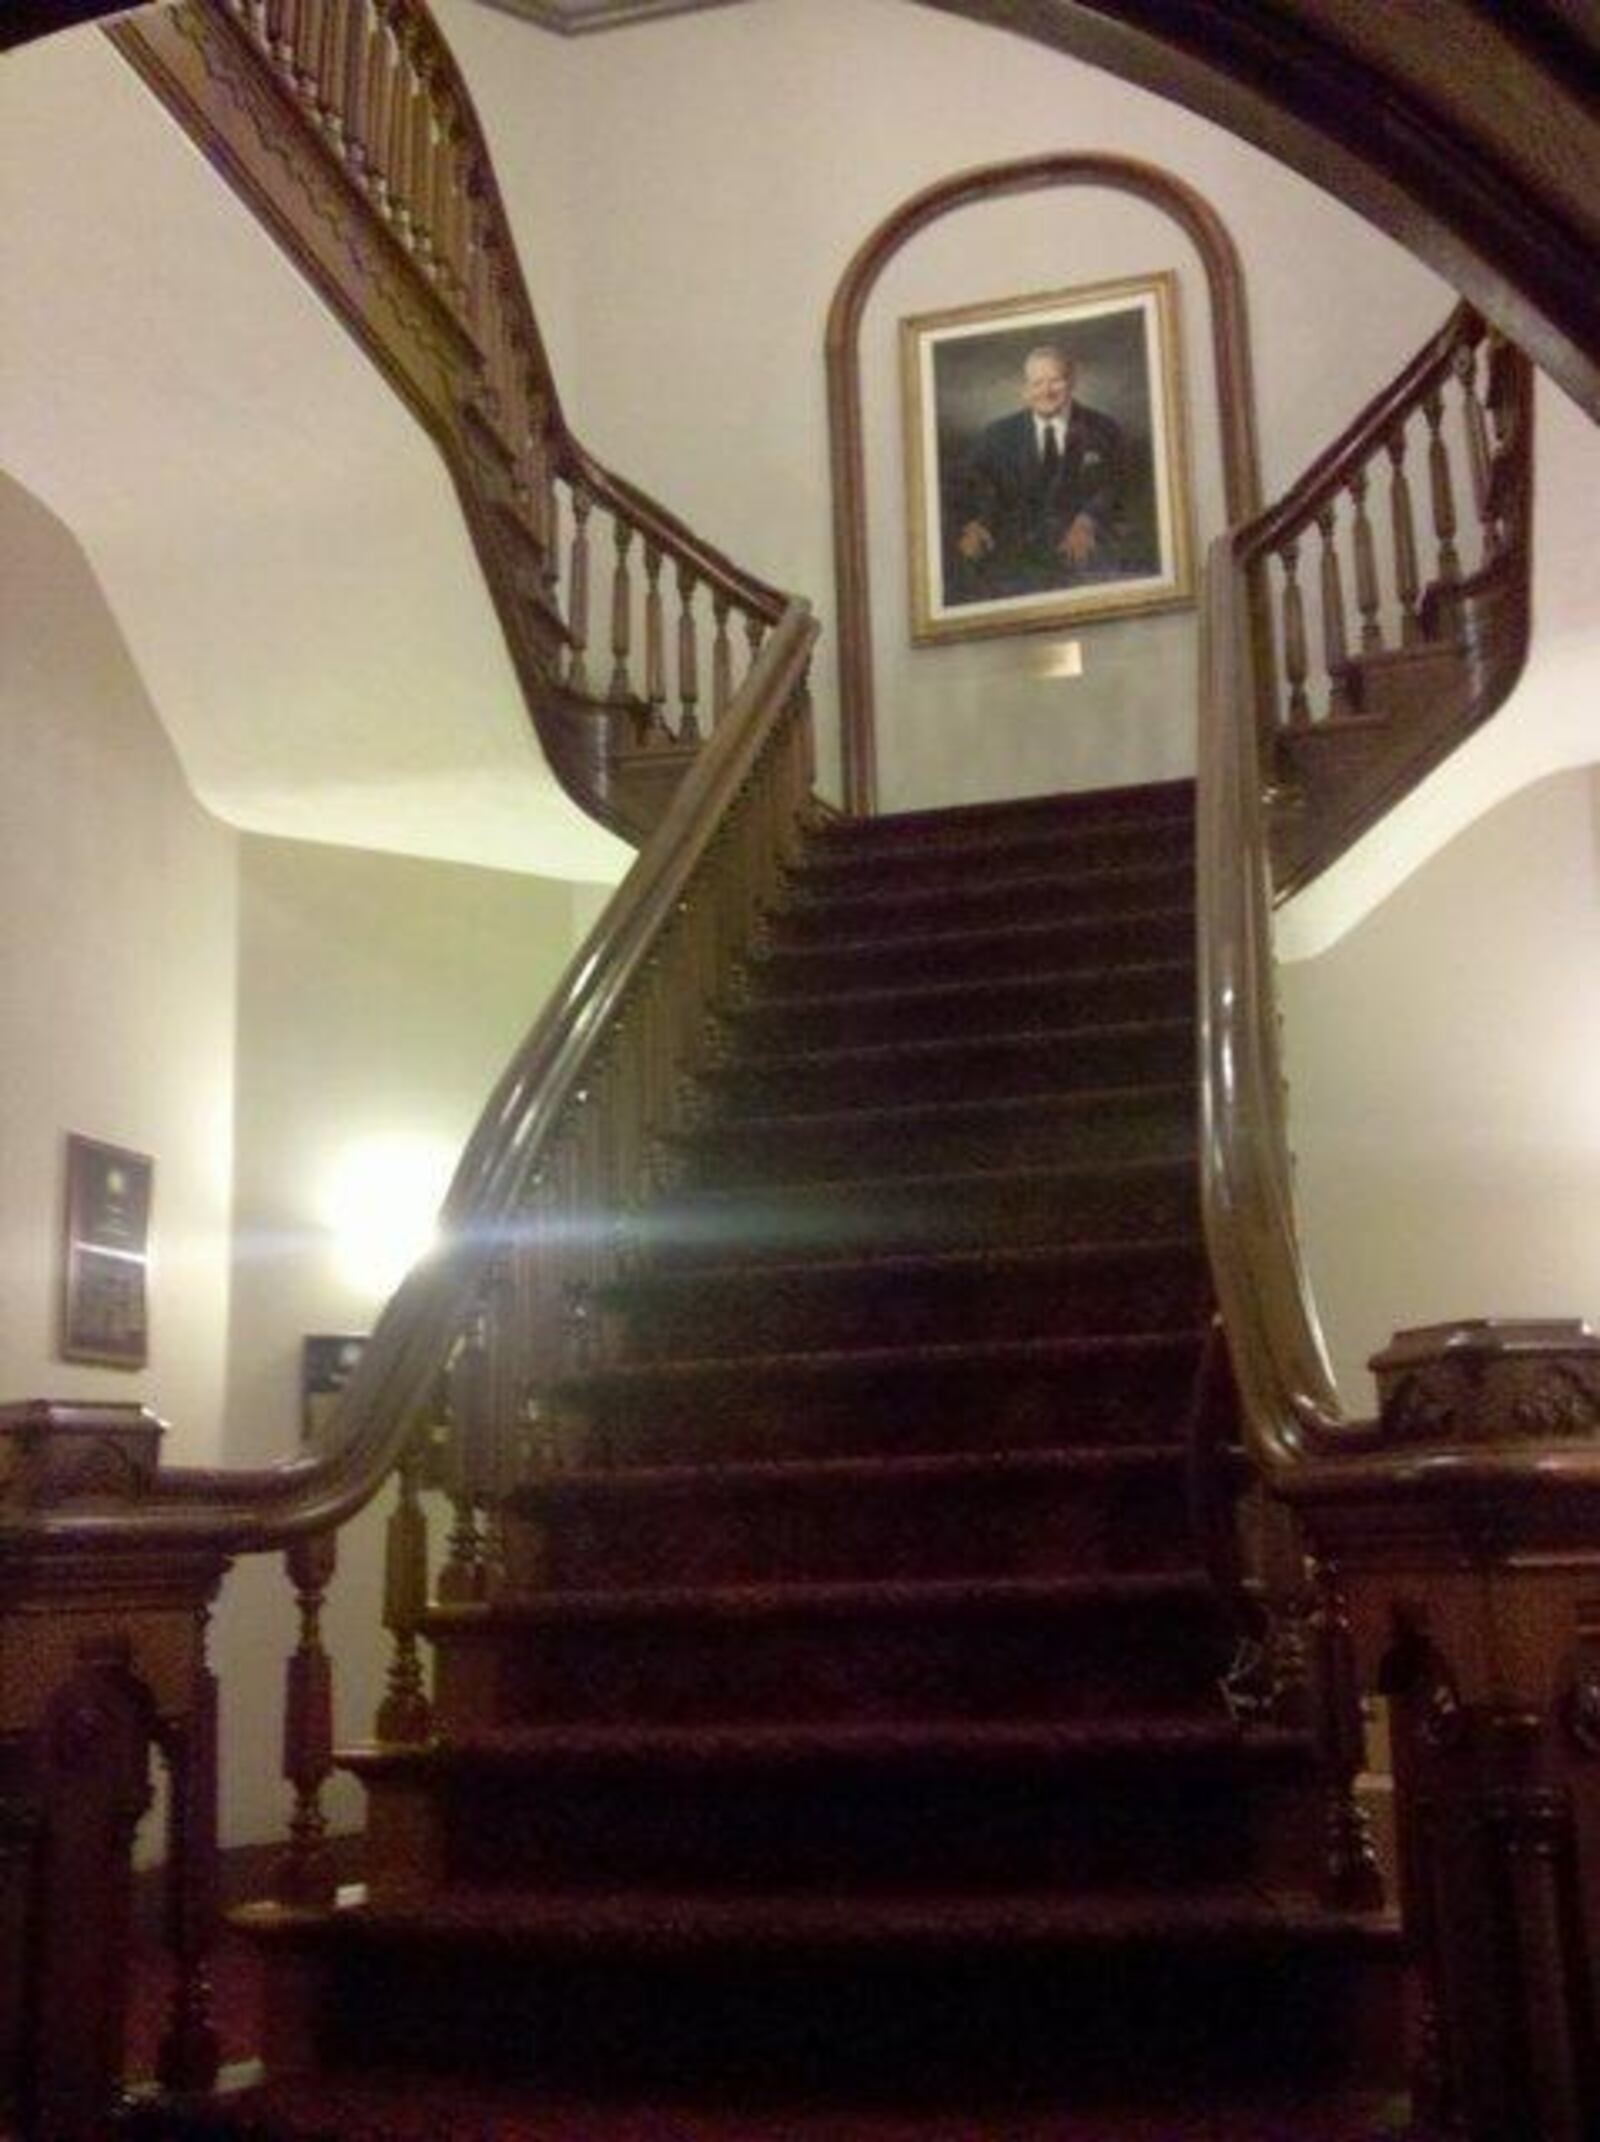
(845, 1720)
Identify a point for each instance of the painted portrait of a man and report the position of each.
(1045, 453)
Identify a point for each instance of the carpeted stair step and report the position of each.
(1008, 1131)
(956, 2000)
(772, 1022)
(987, 899)
(1096, 1646)
(1110, 1056)
(960, 1513)
(878, 1810)
(873, 1213)
(826, 1304)
(1028, 1393)
(866, 867)
(870, 953)
(1009, 820)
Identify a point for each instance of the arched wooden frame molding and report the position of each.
(1230, 346)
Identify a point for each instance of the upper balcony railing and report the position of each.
(348, 129)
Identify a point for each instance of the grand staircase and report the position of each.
(846, 1723)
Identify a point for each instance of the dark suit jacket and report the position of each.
(1004, 486)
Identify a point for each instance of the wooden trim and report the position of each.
(1230, 341)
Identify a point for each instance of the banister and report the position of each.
(262, 1509)
(1355, 444)
(349, 131)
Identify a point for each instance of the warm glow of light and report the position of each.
(379, 1203)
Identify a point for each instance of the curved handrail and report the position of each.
(1286, 1388)
(390, 1389)
(1298, 1432)
(1298, 506)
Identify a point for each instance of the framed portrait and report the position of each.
(1046, 464)
(106, 1255)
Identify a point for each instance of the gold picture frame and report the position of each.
(1011, 533)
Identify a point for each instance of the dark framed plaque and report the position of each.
(105, 1314)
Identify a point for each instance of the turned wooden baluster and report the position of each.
(358, 38)
(305, 49)
(1366, 566)
(578, 594)
(419, 151)
(1480, 458)
(304, 1873)
(1296, 660)
(655, 645)
(397, 135)
(1442, 488)
(405, 1714)
(333, 72)
(1402, 521)
(190, 2052)
(468, 1462)
(1335, 641)
(621, 689)
(755, 631)
(688, 658)
(721, 658)
(375, 133)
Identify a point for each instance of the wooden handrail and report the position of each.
(1405, 623)
(1355, 445)
(255, 1511)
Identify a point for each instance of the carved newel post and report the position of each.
(1468, 1549)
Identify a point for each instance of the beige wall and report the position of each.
(1445, 1111)
(117, 969)
(379, 997)
(721, 170)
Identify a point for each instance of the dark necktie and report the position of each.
(1050, 459)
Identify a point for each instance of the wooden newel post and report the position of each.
(1471, 1567)
(304, 1874)
(190, 2053)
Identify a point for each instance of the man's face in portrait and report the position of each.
(1046, 383)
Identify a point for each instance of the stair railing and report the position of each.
(536, 1220)
(1390, 627)
(347, 128)
(1447, 1551)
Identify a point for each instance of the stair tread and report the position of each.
(883, 1597)
(675, 1920)
(894, 944)
(973, 1741)
(1074, 1100)
(952, 1179)
(753, 1062)
(1128, 803)
(800, 1474)
(855, 1360)
(774, 1000)
(1083, 878)
(908, 1264)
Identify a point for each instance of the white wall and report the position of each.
(379, 997)
(117, 966)
(725, 166)
(1444, 1108)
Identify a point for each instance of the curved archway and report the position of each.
(1230, 342)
